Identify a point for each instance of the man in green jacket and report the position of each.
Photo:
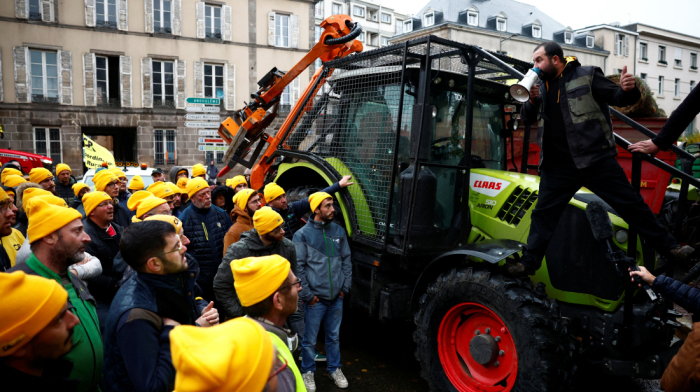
(269, 291)
(57, 240)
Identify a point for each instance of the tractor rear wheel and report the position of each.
(478, 331)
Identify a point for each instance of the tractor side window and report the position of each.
(486, 135)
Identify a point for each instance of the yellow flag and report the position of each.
(94, 154)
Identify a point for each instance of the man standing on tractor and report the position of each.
(577, 140)
(276, 198)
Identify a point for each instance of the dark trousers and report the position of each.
(607, 180)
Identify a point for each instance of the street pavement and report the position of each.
(380, 357)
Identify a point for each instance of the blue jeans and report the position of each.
(331, 314)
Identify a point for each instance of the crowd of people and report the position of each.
(182, 285)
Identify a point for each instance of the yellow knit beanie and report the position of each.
(39, 174)
(102, 178)
(316, 198)
(236, 181)
(177, 223)
(136, 183)
(195, 185)
(266, 219)
(182, 184)
(118, 172)
(79, 186)
(4, 197)
(272, 191)
(45, 218)
(13, 180)
(61, 167)
(92, 199)
(198, 170)
(144, 201)
(8, 171)
(51, 199)
(241, 198)
(160, 189)
(29, 193)
(173, 187)
(29, 304)
(235, 356)
(256, 278)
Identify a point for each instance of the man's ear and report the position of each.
(51, 239)
(277, 301)
(154, 264)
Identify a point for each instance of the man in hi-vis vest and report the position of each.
(578, 149)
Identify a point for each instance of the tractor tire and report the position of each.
(521, 345)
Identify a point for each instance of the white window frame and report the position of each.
(500, 20)
(358, 11)
(429, 19)
(388, 17)
(677, 88)
(318, 10)
(662, 53)
(209, 30)
(409, 23)
(213, 86)
(339, 10)
(383, 41)
(317, 32)
(694, 60)
(106, 14)
(590, 41)
(165, 133)
(643, 76)
(106, 68)
(44, 77)
(286, 96)
(37, 5)
(280, 30)
(644, 51)
(661, 86)
(163, 84)
(361, 37)
(475, 15)
(570, 38)
(537, 31)
(399, 27)
(47, 134)
(161, 13)
(620, 44)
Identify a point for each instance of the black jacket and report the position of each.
(105, 248)
(585, 96)
(122, 216)
(684, 295)
(65, 192)
(679, 120)
(54, 378)
(249, 245)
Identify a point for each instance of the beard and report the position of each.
(548, 72)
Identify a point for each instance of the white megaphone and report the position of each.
(521, 91)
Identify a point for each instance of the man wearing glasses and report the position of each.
(269, 293)
(106, 181)
(159, 297)
(266, 239)
(124, 194)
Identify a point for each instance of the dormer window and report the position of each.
(429, 18)
(589, 41)
(500, 24)
(501, 21)
(473, 16)
(408, 26)
(536, 29)
(569, 37)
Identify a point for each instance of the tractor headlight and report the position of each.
(621, 236)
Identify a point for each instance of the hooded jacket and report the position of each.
(323, 261)
(585, 95)
(22, 220)
(173, 173)
(206, 227)
(228, 197)
(250, 245)
(65, 192)
(241, 222)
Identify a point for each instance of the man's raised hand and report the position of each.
(345, 182)
(627, 81)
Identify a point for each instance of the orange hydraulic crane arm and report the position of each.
(248, 124)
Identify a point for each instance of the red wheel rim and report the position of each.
(457, 330)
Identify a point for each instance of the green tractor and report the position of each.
(434, 214)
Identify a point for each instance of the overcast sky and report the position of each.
(676, 15)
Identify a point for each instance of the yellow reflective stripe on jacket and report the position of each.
(283, 350)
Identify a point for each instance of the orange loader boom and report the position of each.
(248, 124)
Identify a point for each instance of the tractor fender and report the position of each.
(491, 251)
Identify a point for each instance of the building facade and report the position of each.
(621, 43)
(379, 23)
(506, 26)
(119, 71)
(668, 62)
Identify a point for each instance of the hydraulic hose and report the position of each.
(355, 31)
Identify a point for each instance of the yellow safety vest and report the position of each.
(283, 350)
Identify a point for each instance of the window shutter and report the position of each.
(2, 91)
(180, 86)
(89, 79)
(271, 28)
(199, 79)
(123, 15)
(627, 45)
(295, 91)
(47, 11)
(148, 9)
(177, 17)
(90, 15)
(226, 10)
(22, 9)
(679, 54)
(295, 30)
(125, 80)
(617, 39)
(23, 81)
(200, 21)
(65, 77)
(146, 82)
(230, 87)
